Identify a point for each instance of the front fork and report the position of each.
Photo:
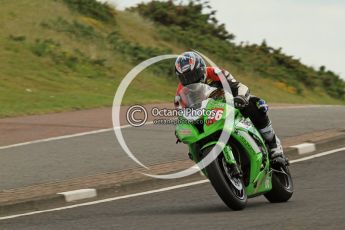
(227, 153)
(230, 159)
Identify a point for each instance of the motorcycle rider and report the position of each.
(191, 68)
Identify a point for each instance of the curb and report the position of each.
(79, 194)
(102, 191)
(304, 148)
(309, 147)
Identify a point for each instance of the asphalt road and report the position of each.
(97, 153)
(317, 203)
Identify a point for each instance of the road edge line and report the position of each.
(68, 136)
(150, 191)
(60, 199)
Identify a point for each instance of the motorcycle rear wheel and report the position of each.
(282, 186)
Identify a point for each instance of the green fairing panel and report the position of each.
(260, 180)
(244, 132)
(188, 133)
(213, 125)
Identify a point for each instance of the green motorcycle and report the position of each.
(239, 168)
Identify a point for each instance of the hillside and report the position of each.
(61, 55)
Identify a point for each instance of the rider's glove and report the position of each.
(240, 102)
(261, 104)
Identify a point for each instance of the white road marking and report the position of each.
(147, 123)
(107, 200)
(80, 194)
(318, 155)
(304, 148)
(153, 191)
(67, 136)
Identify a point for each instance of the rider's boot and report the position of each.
(276, 155)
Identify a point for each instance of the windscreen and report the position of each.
(192, 95)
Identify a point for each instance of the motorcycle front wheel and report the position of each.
(229, 188)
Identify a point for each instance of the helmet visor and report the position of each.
(190, 77)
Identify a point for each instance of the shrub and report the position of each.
(188, 25)
(19, 38)
(92, 8)
(44, 47)
(135, 53)
(71, 59)
(332, 83)
(187, 17)
(99, 62)
(75, 28)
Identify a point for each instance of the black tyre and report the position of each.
(282, 186)
(230, 189)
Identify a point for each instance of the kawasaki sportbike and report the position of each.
(242, 169)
